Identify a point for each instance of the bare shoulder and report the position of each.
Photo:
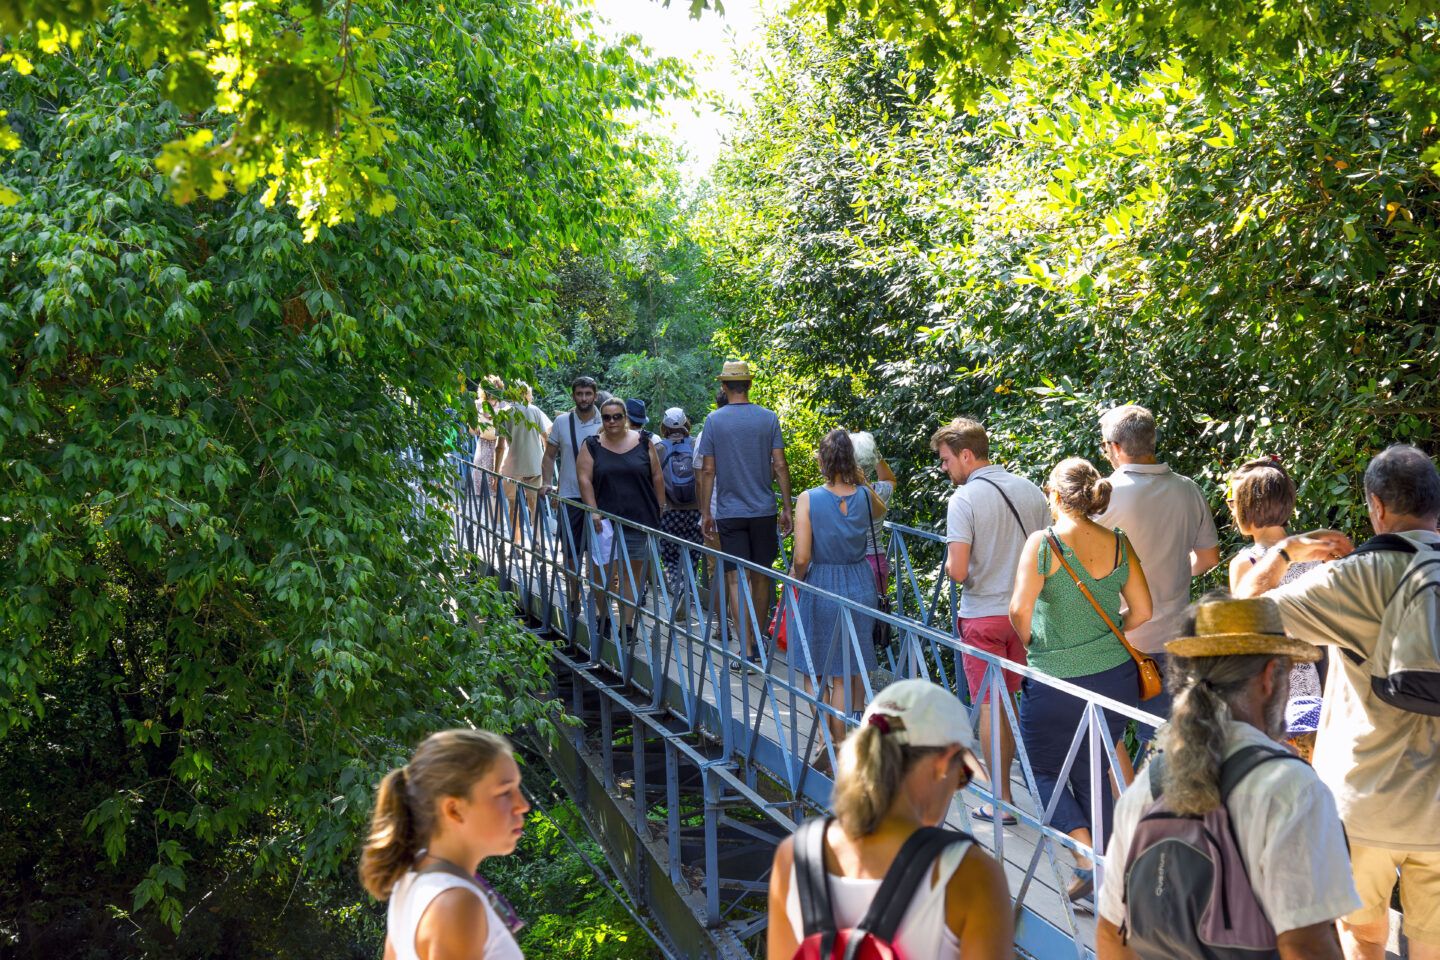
(454, 925)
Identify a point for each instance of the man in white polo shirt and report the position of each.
(1169, 524)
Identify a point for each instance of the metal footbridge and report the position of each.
(691, 762)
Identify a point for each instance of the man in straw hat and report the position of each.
(1382, 761)
(742, 451)
(1230, 674)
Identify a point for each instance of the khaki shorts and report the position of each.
(1376, 869)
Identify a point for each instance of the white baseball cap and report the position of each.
(675, 417)
(928, 715)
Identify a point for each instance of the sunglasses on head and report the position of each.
(612, 417)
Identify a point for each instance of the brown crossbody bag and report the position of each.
(1150, 682)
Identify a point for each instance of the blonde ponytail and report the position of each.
(872, 766)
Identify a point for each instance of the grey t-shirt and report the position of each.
(741, 437)
(978, 516)
(560, 436)
(1165, 516)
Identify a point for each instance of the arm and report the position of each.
(883, 472)
(957, 561)
(547, 466)
(1319, 941)
(1028, 583)
(705, 487)
(1238, 565)
(780, 942)
(1315, 545)
(657, 477)
(978, 909)
(800, 565)
(781, 470)
(389, 949)
(453, 928)
(1108, 945)
(1136, 592)
(585, 473)
(1203, 560)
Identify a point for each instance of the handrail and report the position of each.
(693, 666)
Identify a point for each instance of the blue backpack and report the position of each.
(677, 462)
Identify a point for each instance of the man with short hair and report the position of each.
(1232, 680)
(1168, 521)
(991, 514)
(1381, 761)
(743, 452)
(567, 435)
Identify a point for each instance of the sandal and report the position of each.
(988, 815)
(1083, 885)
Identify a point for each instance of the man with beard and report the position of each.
(1220, 761)
(567, 435)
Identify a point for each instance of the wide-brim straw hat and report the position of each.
(735, 370)
(1236, 628)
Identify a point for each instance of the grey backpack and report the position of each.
(1405, 667)
(1187, 894)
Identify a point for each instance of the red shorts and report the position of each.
(993, 635)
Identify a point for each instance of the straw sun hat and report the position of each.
(1232, 628)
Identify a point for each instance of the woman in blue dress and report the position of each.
(832, 532)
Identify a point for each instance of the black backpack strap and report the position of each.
(1391, 542)
(812, 882)
(1239, 765)
(1013, 512)
(912, 865)
(574, 443)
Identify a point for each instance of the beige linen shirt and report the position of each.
(1381, 762)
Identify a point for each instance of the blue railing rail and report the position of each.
(684, 656)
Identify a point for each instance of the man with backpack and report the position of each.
(1226, 844)
(681, 518)
(1378, 742)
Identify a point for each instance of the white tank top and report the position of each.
(923, 934)
(412, 896)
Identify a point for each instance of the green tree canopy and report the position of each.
(1262, 272)
(230, 600)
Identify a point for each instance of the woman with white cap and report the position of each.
(681, 518)
(899, 773)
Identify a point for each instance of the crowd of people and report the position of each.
(1087, 579)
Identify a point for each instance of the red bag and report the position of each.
(876, 931)
(778, 618)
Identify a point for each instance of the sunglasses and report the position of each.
(612, 417)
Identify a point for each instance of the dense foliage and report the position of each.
(642, 324)
(1262, 270)
(228, 603)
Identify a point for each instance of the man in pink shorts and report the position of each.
(991, 514)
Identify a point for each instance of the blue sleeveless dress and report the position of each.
(838, 565)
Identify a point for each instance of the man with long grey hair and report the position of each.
(1220, 762)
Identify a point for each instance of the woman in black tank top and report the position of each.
(619, 473)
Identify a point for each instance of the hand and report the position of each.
(599, 522)
(707, 526)
(1317, 545)
(786, 524)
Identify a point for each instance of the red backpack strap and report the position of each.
(912, 865)
(813, 882)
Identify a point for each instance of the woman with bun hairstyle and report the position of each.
(1065, 637)
(455, 803)
(899, 772)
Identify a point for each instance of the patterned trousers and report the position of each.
(685, 525)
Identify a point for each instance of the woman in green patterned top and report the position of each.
(1065, 637)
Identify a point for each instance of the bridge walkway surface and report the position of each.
(691, 763)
